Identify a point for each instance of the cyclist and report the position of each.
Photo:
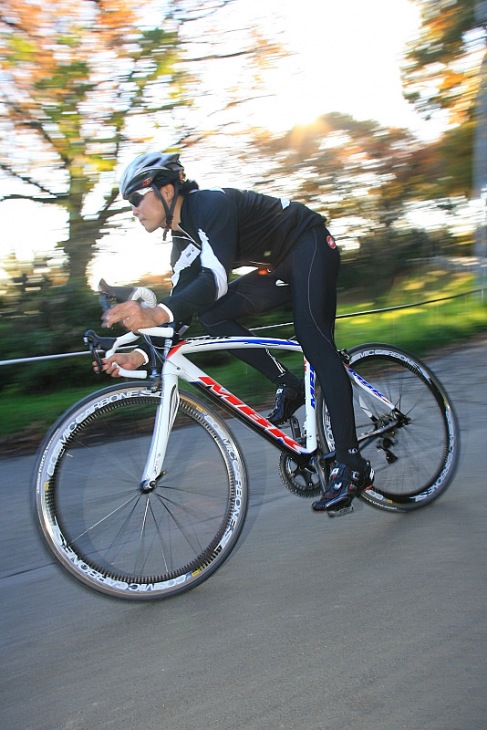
(296, 259)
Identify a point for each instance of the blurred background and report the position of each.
(373, 113)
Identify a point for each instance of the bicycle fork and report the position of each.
(164, 421)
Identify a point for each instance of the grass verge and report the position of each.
(24, 419)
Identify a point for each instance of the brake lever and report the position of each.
(90, 341)
(94, 342)
(106, 301)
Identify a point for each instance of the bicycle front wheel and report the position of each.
(414, 449)
(111, 534)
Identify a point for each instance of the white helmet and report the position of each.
(142, 172)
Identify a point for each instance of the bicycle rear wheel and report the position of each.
(110, 534)
(414, 451)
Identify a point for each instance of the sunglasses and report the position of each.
(136, 198)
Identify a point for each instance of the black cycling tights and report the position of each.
(311, 270)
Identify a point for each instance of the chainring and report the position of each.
(298, 479)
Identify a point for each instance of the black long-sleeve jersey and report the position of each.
(222, 229)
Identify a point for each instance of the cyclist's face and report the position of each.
(149, 210)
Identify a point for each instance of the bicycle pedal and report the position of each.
(340, 512)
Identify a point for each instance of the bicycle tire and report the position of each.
(414, 463)
(108, 533)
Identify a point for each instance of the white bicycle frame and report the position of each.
(177, 367)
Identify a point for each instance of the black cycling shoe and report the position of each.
(288, 400)
(344, 485)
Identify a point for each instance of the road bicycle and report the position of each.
(141, 489)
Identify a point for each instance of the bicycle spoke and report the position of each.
(99, 522)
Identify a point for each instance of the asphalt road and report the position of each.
(368, 622)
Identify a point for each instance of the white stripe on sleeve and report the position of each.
(210, 261)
